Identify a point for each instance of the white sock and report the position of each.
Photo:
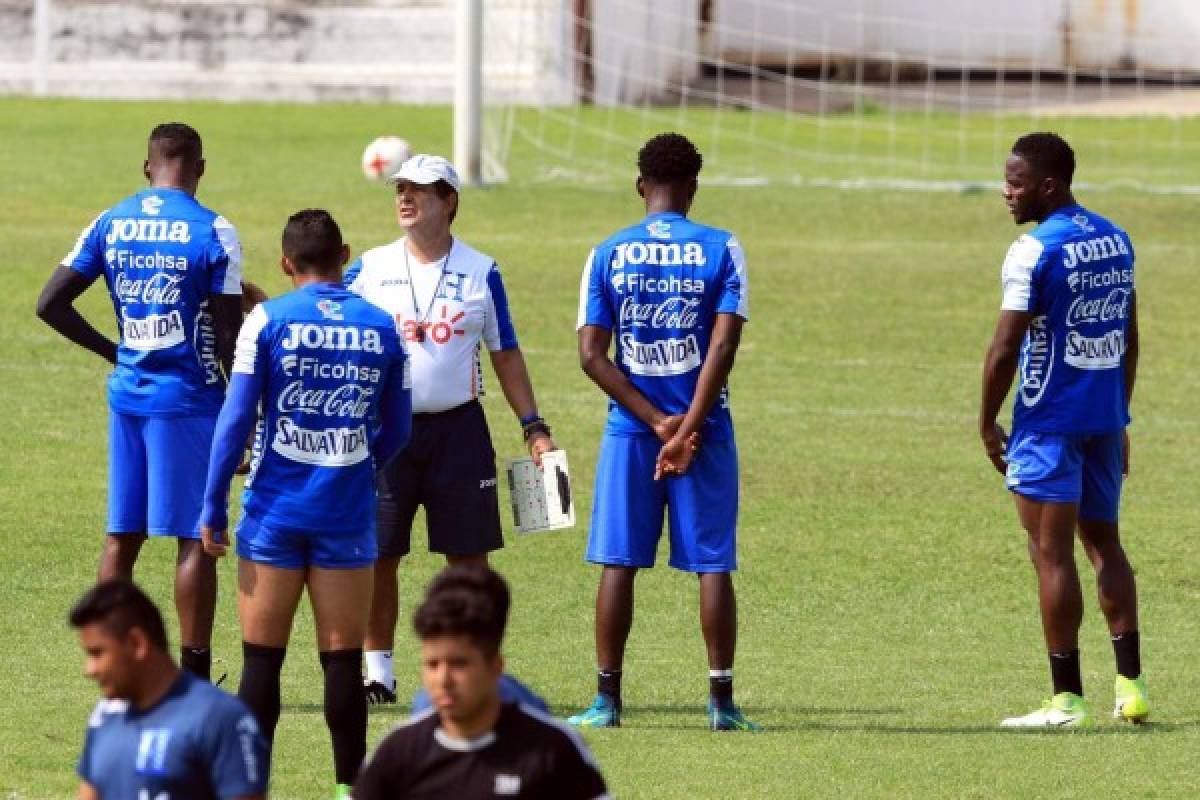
(379, 668)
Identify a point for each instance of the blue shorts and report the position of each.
(157, 467)
(701, 506)
(1068, 468)
(291, 549)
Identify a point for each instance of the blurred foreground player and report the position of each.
(173, 268)
(160, 732)
(449, 301)
(673, 294)
(471, 744)
(1069, 322)
(326, 367)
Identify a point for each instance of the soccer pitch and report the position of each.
(888, 610)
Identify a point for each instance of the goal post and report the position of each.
(468, 90)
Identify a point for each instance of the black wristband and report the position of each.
(530, 429)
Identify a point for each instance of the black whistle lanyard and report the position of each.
(423, 319)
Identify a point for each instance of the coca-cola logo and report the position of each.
(348, 400)
(679, 313)
(1113, 306)
(159, 288)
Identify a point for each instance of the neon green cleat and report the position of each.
(1064, 710)
(729, 718)
(1133, 704)
(341, 791)
(603, 713)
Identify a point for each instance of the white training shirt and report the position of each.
(460, 302)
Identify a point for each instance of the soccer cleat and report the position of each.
(729, 718)
(603, 713)
(377, 693)
(1133, 704)
(341, 791)
(1064, 710)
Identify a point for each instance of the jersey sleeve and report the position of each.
(735, 290)
(226, 261)
(395, 407)
(498, 330)
(250, 356)
(382, 776)
(594, 308)
(575, 775)
(1016, 276)
(350, 276)
(84, 767)
(236, 418)
(236, 756)
(87, 256)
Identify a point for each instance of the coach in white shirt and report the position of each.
(447, 299)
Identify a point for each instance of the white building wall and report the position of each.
(394, 50)
(1018, 34)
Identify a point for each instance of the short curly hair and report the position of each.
(175, 140)
(465, 600)
(669, 158)
(118, 606)
(313, 241)
(1048, 153)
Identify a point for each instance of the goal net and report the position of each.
(924, 95)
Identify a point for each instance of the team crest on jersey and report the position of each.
(151, 205)
(1084, 223)
(152, 751)
(659, 229)
(330, 309)
(507, 785)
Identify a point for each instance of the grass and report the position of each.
(888, 614)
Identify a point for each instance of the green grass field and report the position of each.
(888, 614)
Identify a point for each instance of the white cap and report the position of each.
(426, 169)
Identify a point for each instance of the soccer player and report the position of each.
(449, 301)
(471, 743)
(1068, 320)
(160, 732)
(173, 268)
(327, 368)
(674, 293)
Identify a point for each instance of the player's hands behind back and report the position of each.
(666, 427)
(995, 444)
(676, 456)
(215, 542)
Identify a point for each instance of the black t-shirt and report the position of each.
(528, 755)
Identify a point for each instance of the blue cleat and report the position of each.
(603, 713)
(729, 718)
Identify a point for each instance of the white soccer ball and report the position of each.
(384, 156)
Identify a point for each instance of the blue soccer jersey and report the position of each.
(1074, 274)
(326, 359)
(196, 743)
(658, 287)
(162, 255)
